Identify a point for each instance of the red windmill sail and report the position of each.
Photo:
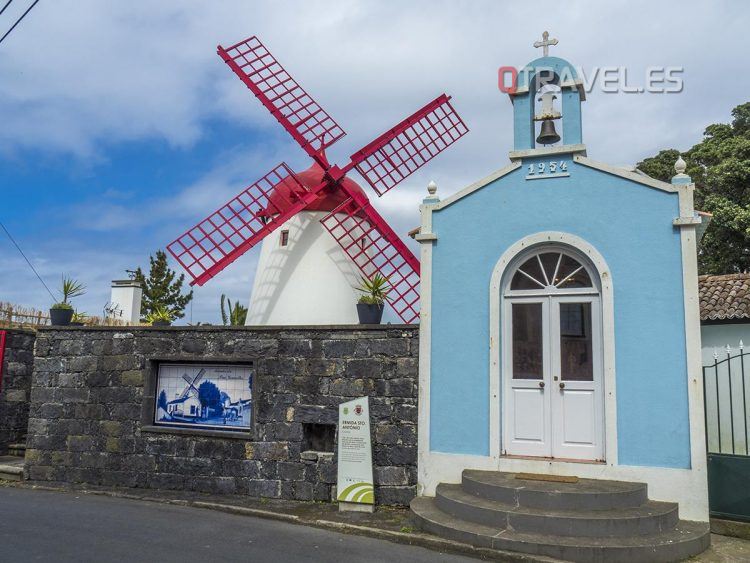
(365, 237)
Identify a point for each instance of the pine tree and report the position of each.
(161, 288)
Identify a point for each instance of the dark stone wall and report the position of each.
(15, 386)
(87, 423)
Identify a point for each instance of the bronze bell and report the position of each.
(547, 134)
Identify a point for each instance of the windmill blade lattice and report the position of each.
(366, 238)
(297, 112)
(412, 143)
(373, 246)
(222, 237)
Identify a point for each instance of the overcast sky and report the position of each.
(120, 127)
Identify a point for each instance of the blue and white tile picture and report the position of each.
(205, 396)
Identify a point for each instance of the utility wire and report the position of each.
(18, 20)
(27, 261)
(6, 5)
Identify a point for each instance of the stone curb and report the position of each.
(730, 528)
(417, 539)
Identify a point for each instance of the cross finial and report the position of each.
(545, 43)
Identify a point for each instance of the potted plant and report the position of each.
(79, 319)
(160, 316)
(61, 313)
(374, 291)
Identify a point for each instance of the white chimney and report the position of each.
(125, 301)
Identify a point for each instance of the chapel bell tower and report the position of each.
(547, 106)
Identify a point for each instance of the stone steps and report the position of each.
(588, 494)
(18, 450)
(11, 468)
(649, 518)
(588, 521)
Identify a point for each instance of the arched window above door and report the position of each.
(552, 270)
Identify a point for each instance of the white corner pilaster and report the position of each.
(687, 222)
(426, 239)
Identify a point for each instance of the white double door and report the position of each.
(553, 392)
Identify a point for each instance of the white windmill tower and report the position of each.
(302, 261)
(320, 233)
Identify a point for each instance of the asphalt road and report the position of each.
(61, 527)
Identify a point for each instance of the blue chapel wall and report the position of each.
(631, 226)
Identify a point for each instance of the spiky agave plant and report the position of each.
(374, 289)
(160, 314)
(234, 315)
(70, 288)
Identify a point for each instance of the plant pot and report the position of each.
(76, 323)
(60, 317)
(369, 314)
(161, 323)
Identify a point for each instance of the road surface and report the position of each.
(63, 527)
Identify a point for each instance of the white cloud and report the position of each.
(79, 73)
(78, 76)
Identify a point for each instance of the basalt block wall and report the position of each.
(93, 390)
(15, 386)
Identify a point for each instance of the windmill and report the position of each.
(191, 384)
(321, 199)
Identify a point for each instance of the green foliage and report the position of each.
(162, 288)
(720, 167)
(79, 317)
(374, 289)
(235, 315)
(160, 314)
(70, 288)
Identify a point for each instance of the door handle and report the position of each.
(562, 385)
(541, 384)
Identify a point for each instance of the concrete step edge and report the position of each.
(686, 540)
(589, 494)
(652, 517)
(11, 469)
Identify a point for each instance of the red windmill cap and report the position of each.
(281, 195)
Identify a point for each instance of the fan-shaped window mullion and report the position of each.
(557, 267)
(544, 272)
(570, 275)
(536, 281)
(551, 271)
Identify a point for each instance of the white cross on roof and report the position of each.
(545, 43)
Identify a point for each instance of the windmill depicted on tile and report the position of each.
(320, 232)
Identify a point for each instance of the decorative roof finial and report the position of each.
(545, 43)
(432, 188)
(680, 166)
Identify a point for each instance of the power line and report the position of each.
(27, 261)
(6, 5)
(18, 20)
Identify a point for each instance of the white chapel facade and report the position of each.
(560, 330)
